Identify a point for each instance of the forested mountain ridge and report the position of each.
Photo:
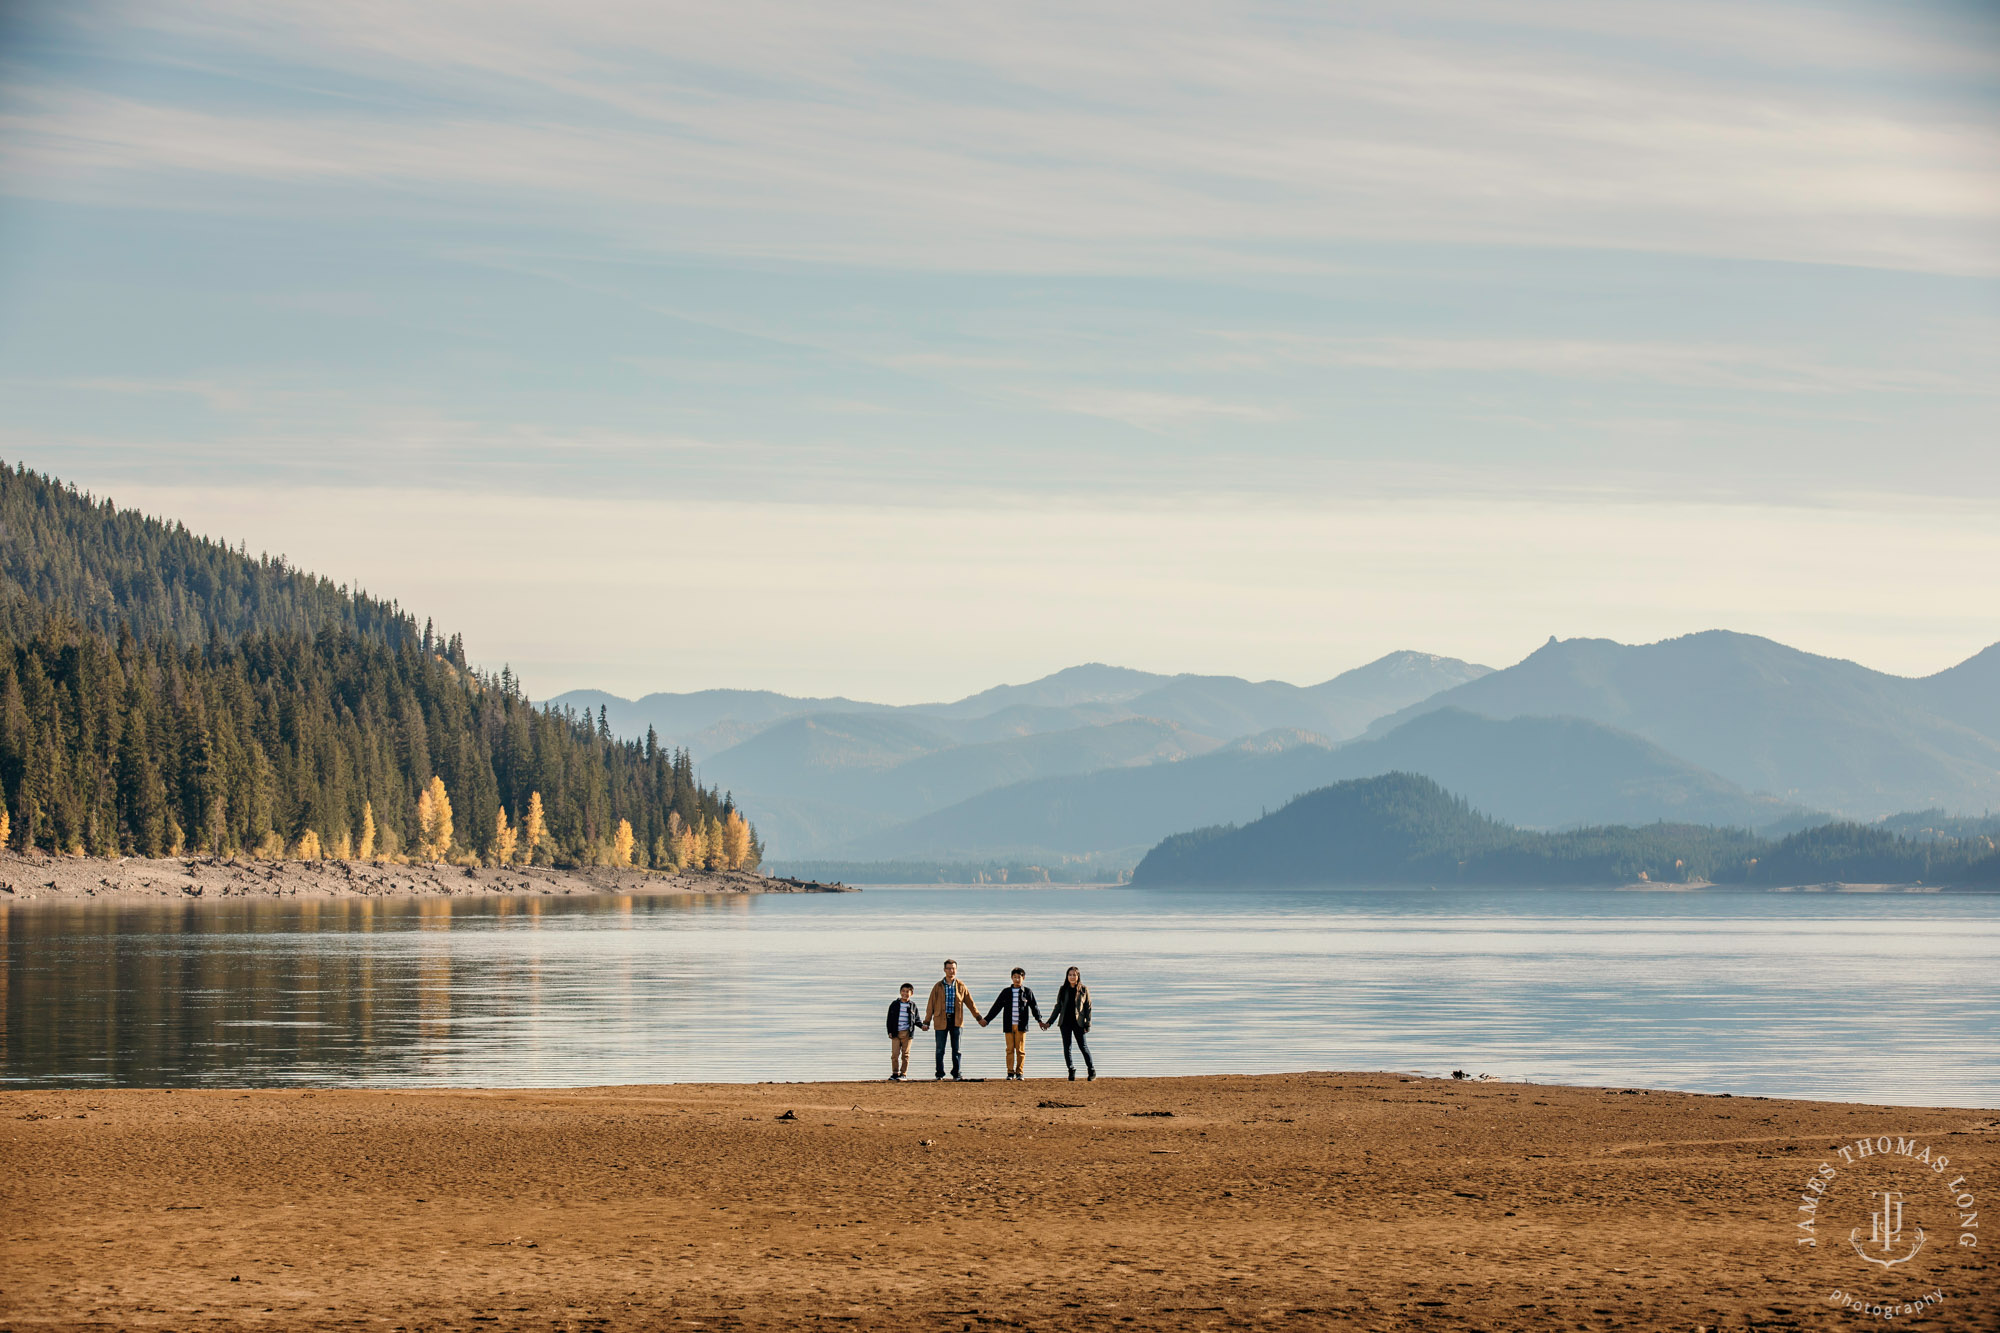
(1400, 828)
(108, 567)
(185, 709)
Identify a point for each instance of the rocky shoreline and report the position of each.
(38, 877)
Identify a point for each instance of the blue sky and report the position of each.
(899, 350)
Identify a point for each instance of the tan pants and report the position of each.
(899, 1053)
(1017, 1052)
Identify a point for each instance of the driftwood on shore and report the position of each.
(37, 876)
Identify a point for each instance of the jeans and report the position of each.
(1076, 1035)
(945, 1034)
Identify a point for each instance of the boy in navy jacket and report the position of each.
(905, 1021)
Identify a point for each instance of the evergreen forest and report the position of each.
(162, 694)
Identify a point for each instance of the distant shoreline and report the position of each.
(42, 878)
(1637, 886)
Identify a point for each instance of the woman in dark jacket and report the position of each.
(1072, 1014)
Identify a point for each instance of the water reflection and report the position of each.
(1889, 999)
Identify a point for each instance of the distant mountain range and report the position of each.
(1402, 828)
(1536, 772)
(1098, 763)
(1088, 695)
(1817, 731)
(815, 774)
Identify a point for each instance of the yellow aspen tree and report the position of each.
(367, 848)
(308, 848)
(735, 841)
(713, 854)
(621, 844)
(271, 847)
(434, 821)
(684, 853)
(426, 821)
(343, 846)
(533, 830)
(6, 824)
(504, 838)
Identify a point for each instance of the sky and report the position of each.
(900, 350)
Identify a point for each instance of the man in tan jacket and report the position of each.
(950, 1005)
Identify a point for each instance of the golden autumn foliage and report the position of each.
(434, 822)
(735, 841)
(621, 844)
(308, 846)
(713, 855)
(504, 838)
(6, 824)
(533, 829)
(343, 846)
(367, 848)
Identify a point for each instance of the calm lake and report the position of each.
(1889, 998)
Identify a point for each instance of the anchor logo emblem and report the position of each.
(1885, 1231)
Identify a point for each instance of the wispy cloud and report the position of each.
(1189, 136)
(1757, 367)
(1154, 411)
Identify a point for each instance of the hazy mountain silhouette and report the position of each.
(813, 782)
(677, 717)
(1535, 772)
(1402, 828)
(1819, 731)
(1077, 696)
(1969, 693)
(809, 771)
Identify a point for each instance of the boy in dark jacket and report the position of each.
(904, 1023)
(1014, 1005)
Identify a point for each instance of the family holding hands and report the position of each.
(951, 1004)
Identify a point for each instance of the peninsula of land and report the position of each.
(1291, 1202)
(38, 877)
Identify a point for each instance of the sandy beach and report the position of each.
(42, 877)
(1304, 1201)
